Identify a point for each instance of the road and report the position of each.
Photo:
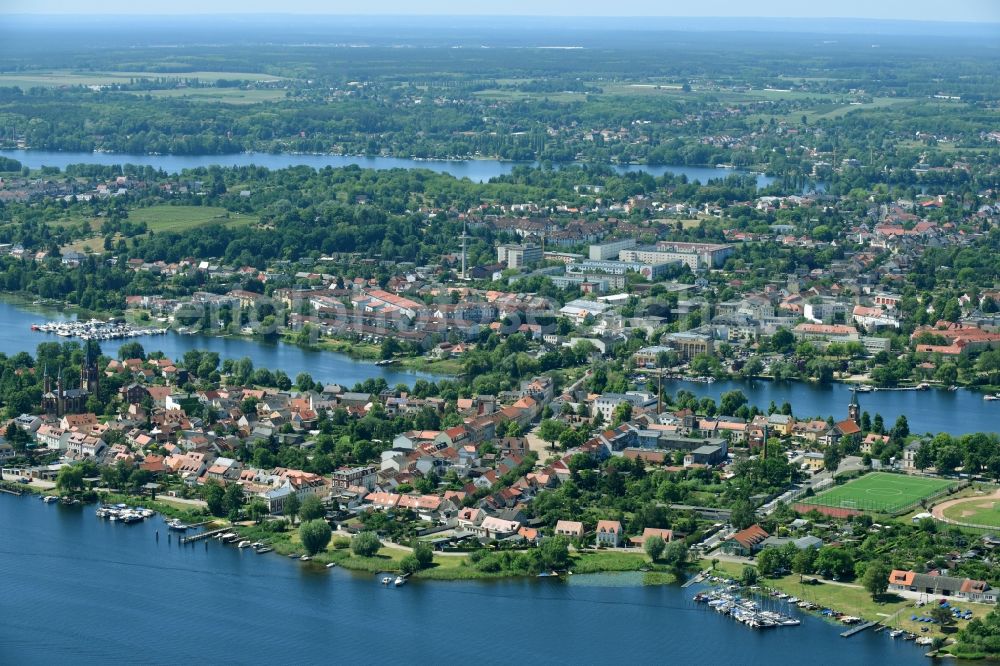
(536, 443)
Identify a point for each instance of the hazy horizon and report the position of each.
(885, 10)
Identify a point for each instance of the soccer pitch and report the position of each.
(879, 491)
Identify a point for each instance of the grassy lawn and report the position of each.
(183, 218)
(362, 350)
(880, 491)
(983, 511)
(608, 560)
(166, 218)
(448, 366)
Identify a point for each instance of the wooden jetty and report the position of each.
(697, 578)
(858, 629)
(11, 492)
(204, 535)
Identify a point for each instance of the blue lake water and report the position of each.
(935, 410)
(325, 366)
(954, 412)
(80, 590)
(475, 170)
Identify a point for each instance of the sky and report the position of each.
(915, 10)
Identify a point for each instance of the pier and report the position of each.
(697, 578)
(204, 535)
(858, 629)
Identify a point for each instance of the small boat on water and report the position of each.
(49, 499)
(865, 388)
(265, 549)
(896, 633)
(400, 581)
(386, 580)
(243, 544)
(990, 397)
(331, 565)
(177, 526)
(305, 558)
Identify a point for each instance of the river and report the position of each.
(325, 366)
(475, 170)
(86, 591)
(934, 410)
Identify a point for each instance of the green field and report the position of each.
(182, 218)
(983, 511)
(880, 491)
(164, 218)
(219, 95)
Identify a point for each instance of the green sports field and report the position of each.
(879, 491)
(982, 511)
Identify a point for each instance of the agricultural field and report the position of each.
(880, 492)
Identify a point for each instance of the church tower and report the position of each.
(854, 409)
(60, 395)
(89, 375)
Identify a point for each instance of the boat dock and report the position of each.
(858, 629)
(697, 578)
(96, 329)
(203, 535)
(11, 492)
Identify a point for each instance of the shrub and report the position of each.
(409, 564)
(315, 535)
(424, 554)
(365, 544)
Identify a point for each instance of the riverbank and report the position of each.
(853, 599)
(368, 351)
(446, 566)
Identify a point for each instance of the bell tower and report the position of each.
(854, 409)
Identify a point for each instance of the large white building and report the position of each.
(695, 255)
(518, 256)
(610, 250)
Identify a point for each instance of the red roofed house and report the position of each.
(666, 535)
(569, 528)
(745, 542)
(609, 533)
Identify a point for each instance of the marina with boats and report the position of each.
(122, 513)
(94, 329)
(747, 611)
(757, 610)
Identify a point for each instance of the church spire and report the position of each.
(854, 409)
